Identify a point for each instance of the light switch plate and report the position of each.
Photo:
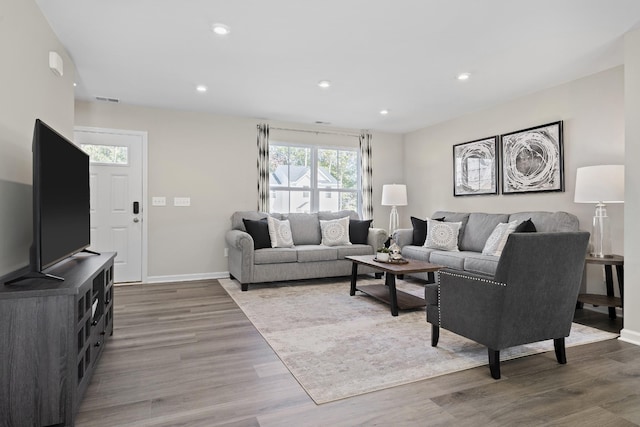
(182, 201)
(158, 201)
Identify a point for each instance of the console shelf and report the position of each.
(52, 335)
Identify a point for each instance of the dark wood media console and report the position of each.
(52, 335)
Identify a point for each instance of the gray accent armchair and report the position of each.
(531, 298)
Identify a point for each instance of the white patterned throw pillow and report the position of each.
(335, 232)
(442, 235)
(498, 238)
(280, 233)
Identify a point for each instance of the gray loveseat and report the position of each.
(307, 259)
(474, 232)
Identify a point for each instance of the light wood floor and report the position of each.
(185, 355)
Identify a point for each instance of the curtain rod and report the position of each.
(317, 131)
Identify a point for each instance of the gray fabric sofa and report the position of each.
(474, 232)
(307, 259)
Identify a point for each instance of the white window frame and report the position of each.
(314, 191)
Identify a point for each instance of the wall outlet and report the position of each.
(182, 201)
(226, 252)
(158, 201)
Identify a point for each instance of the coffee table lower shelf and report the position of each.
(381, 292)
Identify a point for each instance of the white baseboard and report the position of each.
(187, 277)
(632, 337)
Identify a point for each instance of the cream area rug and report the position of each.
(339, 346)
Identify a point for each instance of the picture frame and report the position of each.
(475, 167)
(532, 160)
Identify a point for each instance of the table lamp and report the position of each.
(394, 195)
(600, 184)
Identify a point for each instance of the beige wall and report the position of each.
(211, 159)
(29, 90)
(631, 331)
(592, 109)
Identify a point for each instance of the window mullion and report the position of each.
(315, 199)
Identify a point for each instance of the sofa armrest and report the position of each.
(241, 255)
(376, 238)
(471, 306)
(403, 237)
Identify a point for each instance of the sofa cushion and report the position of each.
(326, 215)
(417, 252)
(462, 217)
(442, 235)
(305, 228)
(311, 253)
(497, 240)
(526, 227)
(335, 232)
(275, 256)
(449, 258)
(481, 264)
(549, 222)
(359, 231)
(478, 229)
(280, 233)
(350, 250)
(420, 230)
(237, 217)
(259, 232)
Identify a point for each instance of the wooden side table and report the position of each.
(608, 300)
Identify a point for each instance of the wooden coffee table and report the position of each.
(387, 292)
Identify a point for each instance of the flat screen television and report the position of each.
(60, 197)
(61, 222)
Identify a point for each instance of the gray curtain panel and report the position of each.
(263, 167)
(367, 173)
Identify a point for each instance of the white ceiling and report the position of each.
(400, 55)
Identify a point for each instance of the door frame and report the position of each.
(145, 211)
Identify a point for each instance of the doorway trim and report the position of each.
(145, 207)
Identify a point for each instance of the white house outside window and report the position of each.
(312, 178)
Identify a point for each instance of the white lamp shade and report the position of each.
(603, 183)
(394, 195)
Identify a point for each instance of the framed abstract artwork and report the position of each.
(533, 160)
(475, 167)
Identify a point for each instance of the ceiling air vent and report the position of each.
(319, 122)
(105, 99)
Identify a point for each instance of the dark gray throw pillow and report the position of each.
(359, 231)
(420, 230)
(259, 231)
(526, 227)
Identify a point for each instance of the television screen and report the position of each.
(61, 197)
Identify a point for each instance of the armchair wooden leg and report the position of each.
(494, 363)
(561, 355)
(435, 335)
(244, 286)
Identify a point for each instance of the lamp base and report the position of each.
(393, 220)
(601, 233)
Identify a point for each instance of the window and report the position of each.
(107, 154)
(312, 178)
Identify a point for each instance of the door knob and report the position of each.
(136, 220)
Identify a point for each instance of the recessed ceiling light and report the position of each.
(384, 112)
(220, 29)
(324, 84)
(464, 76)
(75, 84)
(201, 88)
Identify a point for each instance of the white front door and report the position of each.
(116, 185)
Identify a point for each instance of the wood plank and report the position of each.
(215, 369)
(381, 292)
